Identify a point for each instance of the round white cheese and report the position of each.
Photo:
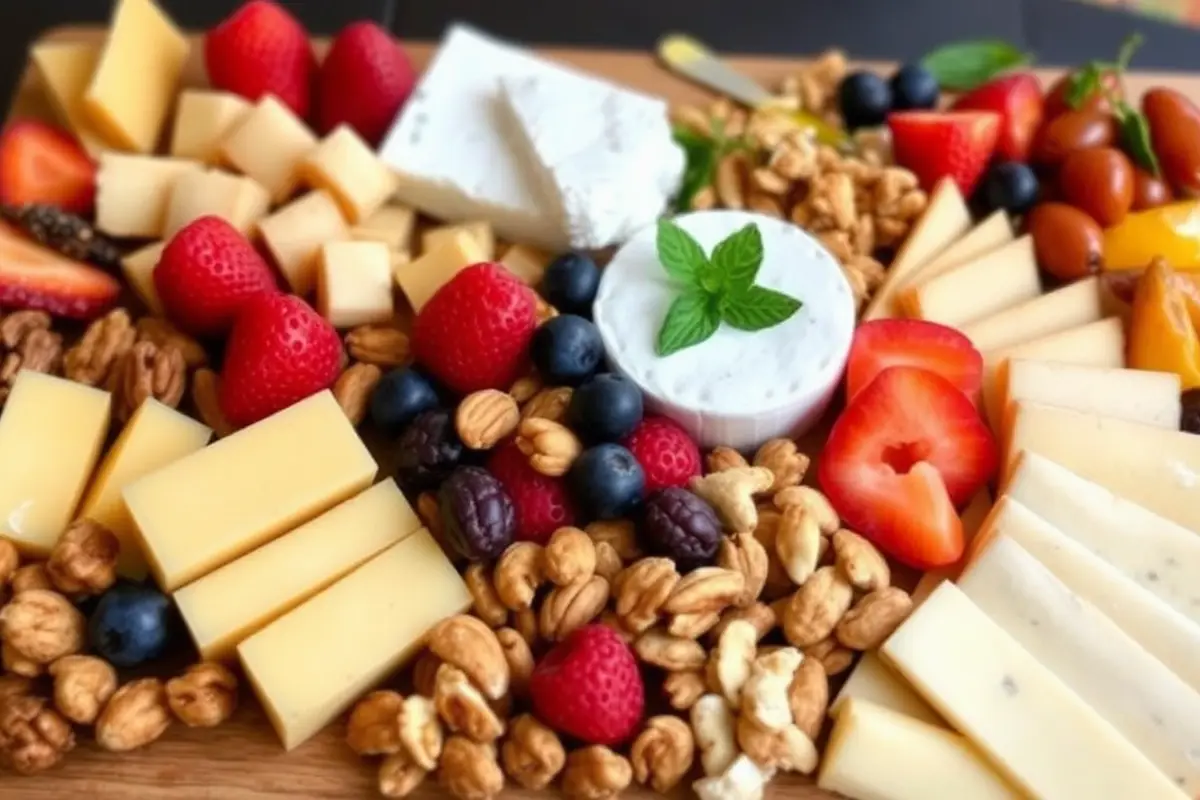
(737, 388)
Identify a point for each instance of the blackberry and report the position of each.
(66, 233)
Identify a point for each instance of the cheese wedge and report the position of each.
(67, 69)
(1165, 633)
(994, 281)
(1030, 725)
(1152, 707)
(991, 234)
(945, 220)
(1068, 307)
(875, 753)
(1151, 398)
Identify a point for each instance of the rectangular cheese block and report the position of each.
(1148, 704)
(420, 278)
(876, 753)
(202, 120)
(1068, 307)
(132, 193)
(484, 236)
(240, 492)
(346, 166)
(1165, 633)
(527, 263)
(971, 291)
(225, 607)
(354, 283)
(991, 234)
(1030, 725)
(392, 225)
(294, 235)
(138, 269)
(138, 74)
(946, 219)
(1151, 398)
(67, 69)
(155, 436)
(311, 664)
(269, 145)
(51, 434)
(237, 199)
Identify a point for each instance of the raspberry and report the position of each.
(541, 501)
(668, 456)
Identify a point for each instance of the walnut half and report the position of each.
(33, 737)
(135, 716)
(147, 370)
(204, 696)
(84, 559)
(82, 685)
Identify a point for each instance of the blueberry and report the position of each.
(1009, 185)
(913, 88)
(605, 409)
(865, 100)
(606, 482)
(569, 284)
(399, 397)
(567, 350)
(132, 624)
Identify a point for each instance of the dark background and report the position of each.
(1058, 31)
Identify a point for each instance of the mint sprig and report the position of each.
(717, 288)
(963, 66)
(702, 154)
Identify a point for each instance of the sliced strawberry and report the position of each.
(43, 164)
(907, 450)
(941, 144)
(912, 342)
(33, 277)
(1017, 98)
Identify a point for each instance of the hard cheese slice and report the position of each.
(991, 234)
(1136, 395)
(969, 292)
(1071, 306)
(67, 69)
(309, 665)
(1028, 722)
(876, 753)
(1152, 708)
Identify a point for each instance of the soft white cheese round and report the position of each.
(737, 388)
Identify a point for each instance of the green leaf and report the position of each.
(963, 66)
(700, 165)
(1128, 48)
(1082, 84)
(756, 308)
(692, 318)
(680, 254)
(1135, 136)
(738, 257)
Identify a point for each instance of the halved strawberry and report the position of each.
(33, 277)
(939, 144)
(1017, 98)
(887, 343)
(906, 451)
(43, 164)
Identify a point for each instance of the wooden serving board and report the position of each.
(242, 760)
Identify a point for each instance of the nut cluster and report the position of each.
(27, 342)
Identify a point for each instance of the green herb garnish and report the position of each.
(1088, 79)
(963, 66)
(702, 152)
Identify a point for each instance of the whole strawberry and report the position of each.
(363, 81)
(542, 503)
(262, 49)
(589, 687)
(474, 332)
(279, 352)
(206, 273)
(668, 456)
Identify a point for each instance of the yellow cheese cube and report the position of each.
(138, 74)
(51, 433)
(67, 69)
(244, 490)
(346, 166)
(132, 193)
(482, 231)
(392, 225)
(154, 437)
(294, 235)
(202, 120)
(268, 145)
(527, 263)
(138, 269)
(354, 285)
(239, 200)
(421, 278)
(311, 664)
(224, 607)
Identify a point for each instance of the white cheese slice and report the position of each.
(736, 388)
(1137, 395)
(1030, 725)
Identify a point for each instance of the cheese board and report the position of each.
(1027, 333)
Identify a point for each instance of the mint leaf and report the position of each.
(755, 308)
(964, 66)
(681, 255)
(700, 165)
(692, 318)
(738, 257)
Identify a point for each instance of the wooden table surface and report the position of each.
(242, 760)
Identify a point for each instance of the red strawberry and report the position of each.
(1017, 98)
(474, 332)
(589, 687)
(206, 273)
(43, 164)
(937, 144)
(262, 49)
(279, 352)
(542, 503)
(668, 456)
(906, 451)
(32, 277)
(363, 82)
(887, 343)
